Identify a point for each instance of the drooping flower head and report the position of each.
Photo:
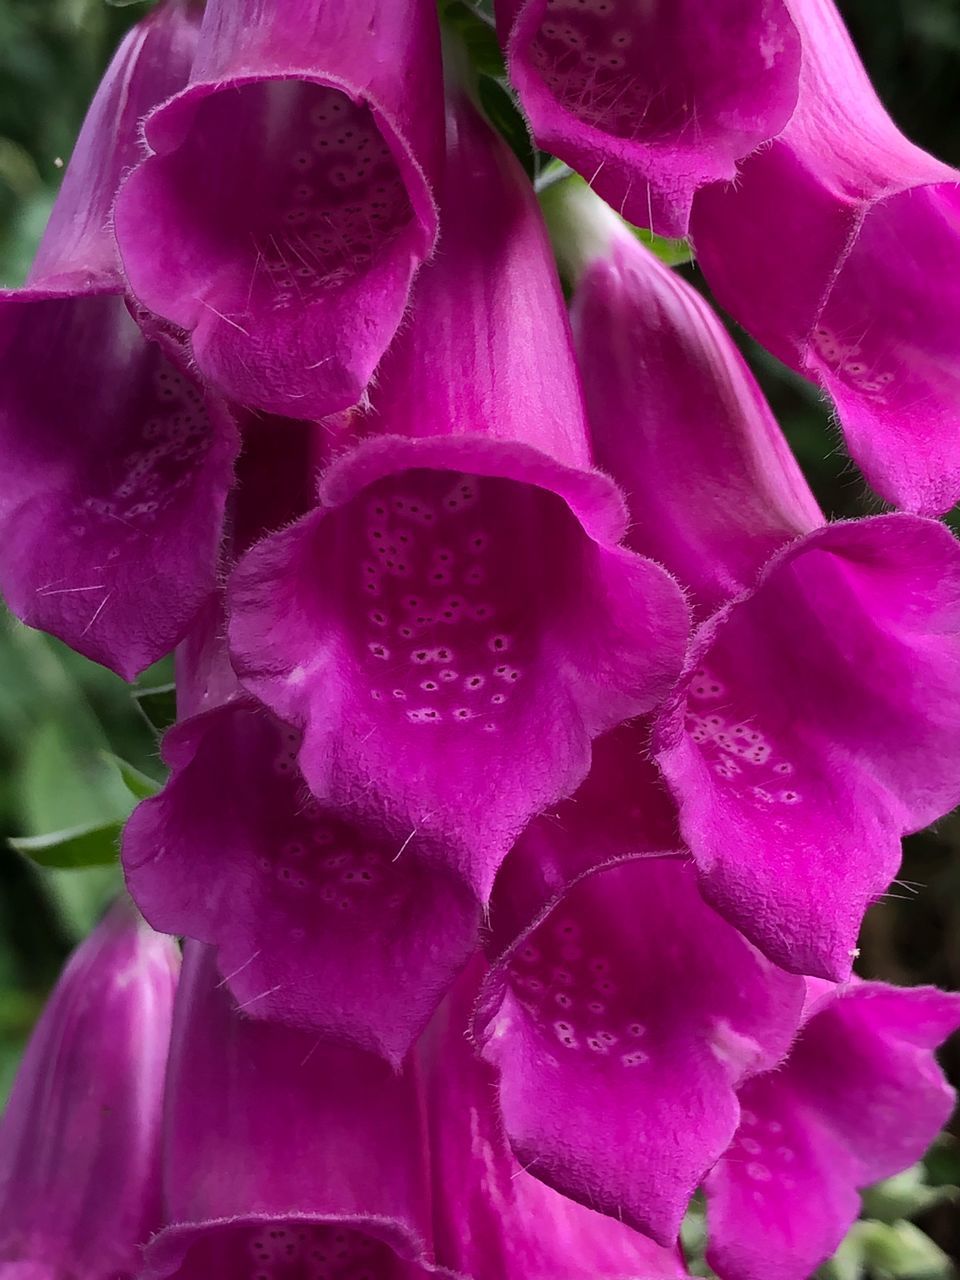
(860, 1098)
(857, 226)
(649, 101)
(80, 1137)
(460, 583)
(817, 720)
(287, 199)
(114, 465)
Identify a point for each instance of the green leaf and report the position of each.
(904, 1196)
(673, 253)
(140, 785)
(505, 117)
(479, 37)
(94, 845)
(157, 705)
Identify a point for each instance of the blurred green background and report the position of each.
(61, 717)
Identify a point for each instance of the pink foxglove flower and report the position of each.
(461, 582)
(114, 467)
(837, 247)
(860, 1098)
(615, 1089)
(650, 101)
(286, 202)
(286, 1154)
(817, 721)
(80, 1138)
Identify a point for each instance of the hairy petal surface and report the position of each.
(287, 202)
(860, 1098)
(317, 921)
(460, 583)
(80, 1136)
(650, 101)
(857, 222)
(816, 724)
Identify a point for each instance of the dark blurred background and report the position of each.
(60, 715)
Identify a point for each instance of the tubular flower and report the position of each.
(856, 222)
(460, 581)
(115, 466)
(613, 1090)
(650, 101)
(817, 719)
(80, 1137)
(860, 1098)
(286, 202)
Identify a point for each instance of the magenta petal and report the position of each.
(679, 422)
(492, 1218)
(80, 1137)
(614, 1090)
(286, 202)
(115, 474)
(649, 102)
(856, 223)
(460, 584)
(281, 1151)
(77, 254)
(816, 725)
(860, 1098)
(318, 923)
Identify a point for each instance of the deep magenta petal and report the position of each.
(614, 1091)
(816, 725)
(282, 1150)
(680, 423)
(318, 923)
(287, 200)
(649, 102)
(857, 222)
(77, 252)
(860, 1098)
(115, 474)
(80, 1137)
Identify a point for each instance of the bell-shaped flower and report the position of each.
(286, 1155)
(287, 201)
(461, 582)
(818, 718)
(860, 1098)
(80, 1137)
(623, 1013)
(114, 467)
(650, 101)
(836, 247)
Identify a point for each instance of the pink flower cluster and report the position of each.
(541, 745)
